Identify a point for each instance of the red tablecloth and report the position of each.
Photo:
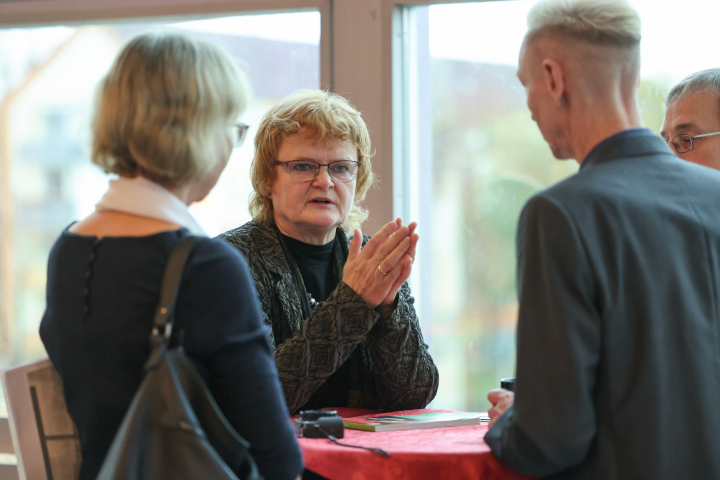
(430, 453)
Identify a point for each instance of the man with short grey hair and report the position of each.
(692, 118)
(618, 350)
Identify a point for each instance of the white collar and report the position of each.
(143, 197)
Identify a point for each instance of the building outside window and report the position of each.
(465, 153)
(47, 79)
(470, 156)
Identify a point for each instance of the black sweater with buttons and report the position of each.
(101, 298)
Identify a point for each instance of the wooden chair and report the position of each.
(8, 468)
(43, 435)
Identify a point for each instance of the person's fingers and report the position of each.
(379, 238)
(355, 245)
(494, 395)
(390, 265)
(405, 268)
(387, 239)
(389, 269)
(374, 287)
(366, 276)
(387, 244)
(501, 400)
(388, 283)
(413, 245)
(496, 409)
(492, 413)
(391, 259)
(388, 250)
(405, 263)
(377, 271)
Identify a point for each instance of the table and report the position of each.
(431, 453)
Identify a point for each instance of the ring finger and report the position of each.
(393, 257)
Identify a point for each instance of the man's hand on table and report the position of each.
(500, 399)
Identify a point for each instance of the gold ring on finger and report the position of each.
(381, 270)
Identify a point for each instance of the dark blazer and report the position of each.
(397, 371)
(618, 366)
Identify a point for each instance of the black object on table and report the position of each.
(507, 384)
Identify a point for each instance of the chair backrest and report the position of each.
(46, 442)
(8, 468)
(6, 445)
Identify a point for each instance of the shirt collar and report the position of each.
(140, 196)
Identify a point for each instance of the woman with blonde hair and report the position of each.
(339, 313)
(165, 124)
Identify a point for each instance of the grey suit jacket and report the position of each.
(397, 371)
(618, 337)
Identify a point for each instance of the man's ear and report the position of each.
(554, 79)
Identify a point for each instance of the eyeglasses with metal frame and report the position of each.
(342, 171)
(238, 132)
(683, 143)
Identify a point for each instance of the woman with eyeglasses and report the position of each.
(339, 313)
(165, 125)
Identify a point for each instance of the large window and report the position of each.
(47, 76)
(470, 156)
(456, 148)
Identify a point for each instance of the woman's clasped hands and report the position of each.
(377, 271)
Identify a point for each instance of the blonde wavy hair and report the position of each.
(164, 109)
(328, 115)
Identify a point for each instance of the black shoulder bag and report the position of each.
(173, 428)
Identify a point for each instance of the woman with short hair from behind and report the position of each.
(165, 125)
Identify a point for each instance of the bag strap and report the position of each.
(164, 313)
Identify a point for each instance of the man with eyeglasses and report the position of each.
(618, 278)
(692, 118)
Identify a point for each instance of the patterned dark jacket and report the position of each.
(398, 372)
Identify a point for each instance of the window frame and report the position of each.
(352, 33)
(39, 13)
(35, 13)
(366, 33)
